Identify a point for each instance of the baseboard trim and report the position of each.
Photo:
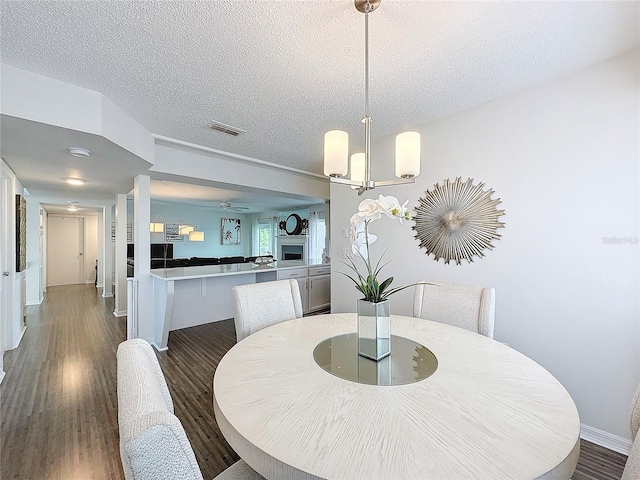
(107, 295)
(24, 329)
(605, 439)
(119, 313)
(155, 345)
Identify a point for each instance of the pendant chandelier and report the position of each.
(336, 142)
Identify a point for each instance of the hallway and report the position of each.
(59, 403)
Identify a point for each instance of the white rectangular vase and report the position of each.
(374, 335)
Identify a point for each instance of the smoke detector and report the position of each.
(79, 152)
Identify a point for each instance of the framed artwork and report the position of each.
(21, 233)
(129, 232)
(173, 233)
(230, 231)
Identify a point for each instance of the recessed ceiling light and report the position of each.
(75, 181)
(79, 152)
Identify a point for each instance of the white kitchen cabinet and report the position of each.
(314, 283)
(303, 283)
(293, 273)
(319, 287)
(319, 292)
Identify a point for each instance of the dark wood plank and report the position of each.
(59, 406)
(58, 400)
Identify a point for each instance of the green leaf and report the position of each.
(385, 284)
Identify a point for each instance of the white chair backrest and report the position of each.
(634, 417)
(465, 306)
(259, 305)
(153, 443)
(632, 467)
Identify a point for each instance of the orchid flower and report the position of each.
(391, 207)
(370, 210)
(360, 239)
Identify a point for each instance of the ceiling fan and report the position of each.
(224, 205)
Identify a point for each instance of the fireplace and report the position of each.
(292, 248)
(292, 252)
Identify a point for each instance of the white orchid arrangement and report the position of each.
(370, 210)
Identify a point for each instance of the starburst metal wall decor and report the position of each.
(457, 220)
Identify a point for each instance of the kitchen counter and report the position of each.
(184, 273)
(188, 296)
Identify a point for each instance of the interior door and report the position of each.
(65, 250)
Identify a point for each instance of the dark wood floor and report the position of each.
(59, 406)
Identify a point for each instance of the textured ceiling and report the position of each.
(287, 71)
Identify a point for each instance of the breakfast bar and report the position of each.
(189, 296)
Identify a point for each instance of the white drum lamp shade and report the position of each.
(185, 229)
(408, 154)
(196, 236)
(357, 167)
(156, 227)
(336, 153)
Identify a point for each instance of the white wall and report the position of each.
(200, 163)
(33, 272)
(564, 159)
(46, 100)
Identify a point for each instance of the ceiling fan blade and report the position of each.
(225, 205)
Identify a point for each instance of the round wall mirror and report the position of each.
(293, 224)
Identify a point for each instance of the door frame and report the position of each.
(7, 262)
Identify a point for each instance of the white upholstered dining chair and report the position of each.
(153, 442)
(464, 306)
(259, 305)
(632, 467)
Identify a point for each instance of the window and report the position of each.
(263, 237)
(317, 233)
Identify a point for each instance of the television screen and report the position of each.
(158, 250)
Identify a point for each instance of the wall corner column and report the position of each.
(142, 254)
(121, 256)
(107, 253)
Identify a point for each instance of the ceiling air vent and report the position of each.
(224, 128)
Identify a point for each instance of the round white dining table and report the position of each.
(487, 412)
